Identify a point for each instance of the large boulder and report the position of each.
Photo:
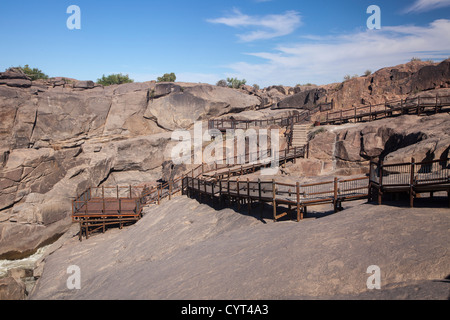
(180, 110)
(15, 77)
(12, 289)
(307, 99)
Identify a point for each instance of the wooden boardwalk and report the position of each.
(97, 208)
(417, 105)
(411, 178)
(295, 198)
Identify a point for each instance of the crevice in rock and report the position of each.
(33, 128)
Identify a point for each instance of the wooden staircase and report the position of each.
(300, 135)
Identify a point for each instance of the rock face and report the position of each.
(187, 250)
(347, 149)
(59, 136)
(387, 84)
(15, 78)
(11, 289)
(182, 108)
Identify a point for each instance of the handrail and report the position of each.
(410, 173)
(387, 107)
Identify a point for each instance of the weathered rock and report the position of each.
(12, 289)
(431, 77)
(322, 146)
(351, 147)
(163, 89)
(306, 168)
(19, 83)
(305, 99)
(180, 110)
(84, 85)
(14, 77)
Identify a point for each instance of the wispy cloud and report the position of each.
(324, 60)
(261, 27)
(427, 5)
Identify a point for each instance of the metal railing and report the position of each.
(385, 109)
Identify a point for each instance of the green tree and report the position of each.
(33, 73)
(236, 83)
(168, 77)
(114, 79)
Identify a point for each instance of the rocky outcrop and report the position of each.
(187, 250)
(59, 136)
(387, 84)
(12, 289)
(348, 149)
(182, 108)
(15, 78)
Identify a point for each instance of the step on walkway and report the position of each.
(300, 135)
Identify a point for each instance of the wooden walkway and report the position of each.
(411, 178)
(294, 198)
(416, 105)
(97, 208)
(234, 124)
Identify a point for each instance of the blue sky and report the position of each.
(267, 42)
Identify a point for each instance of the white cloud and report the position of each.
(262, 27)
(324, 60)
(427, 5)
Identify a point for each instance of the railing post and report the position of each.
(418, 105)
(335, 197)
(238, 194)
(220, 193)
(274, 201)
(182, 186)
(411, 184)
(158, 190)
(103, 198)
(259, 199)
(299, 215)
(380, 187)
(248, 197)
(228, 191)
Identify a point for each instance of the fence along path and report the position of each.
(415, 105)
(99, 207)
(94, 211)
(409, 177)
